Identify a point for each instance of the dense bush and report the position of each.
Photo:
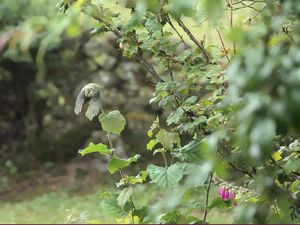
(234, 111)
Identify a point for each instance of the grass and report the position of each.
(55, 207)
(51, 207)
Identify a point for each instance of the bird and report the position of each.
(90, 91)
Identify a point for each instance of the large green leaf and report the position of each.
(189, 153)
(168, 139)
(124, 196)
(110, 207)
(101, 148)
(116, 163)
(112, 122)
(166, 177)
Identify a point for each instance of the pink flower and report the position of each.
(226, 194)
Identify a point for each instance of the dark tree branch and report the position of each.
(149, 67)
(174, 28)
(192, 37)
(240, 170)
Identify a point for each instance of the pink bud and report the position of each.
(232, 195)
(226, 195)
(221, 192)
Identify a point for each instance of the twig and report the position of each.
(240, 170)
(207, 196)
(174, 28)
(192, 37)
(223, 45)
(149, 67)
(230, 4)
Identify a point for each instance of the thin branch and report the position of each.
(207, 197)
(230, 4)
(149, 67)
(256, 1)
(203, 21)
(223, 45)
(240, 170)
(179, 35)
(192, 37)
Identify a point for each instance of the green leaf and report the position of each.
(101, 148)
(214, 10)
(141, 213)
(177, 8)
(171, 217)
(175, 116)
(151, 144)
(218, 202)
(295, 186)
(191, 100)
(189, 153)
(175, 217)
(165, 177)
(124, 196)
(140, 178)
(116, 163)
(112, 122)
(168, 139)
(184, 55)
(292, 165)
(110, 207)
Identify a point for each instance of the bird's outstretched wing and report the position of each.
(94, 106)
(79, 101)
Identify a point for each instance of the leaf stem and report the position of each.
(120, 171)
(165, 159)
